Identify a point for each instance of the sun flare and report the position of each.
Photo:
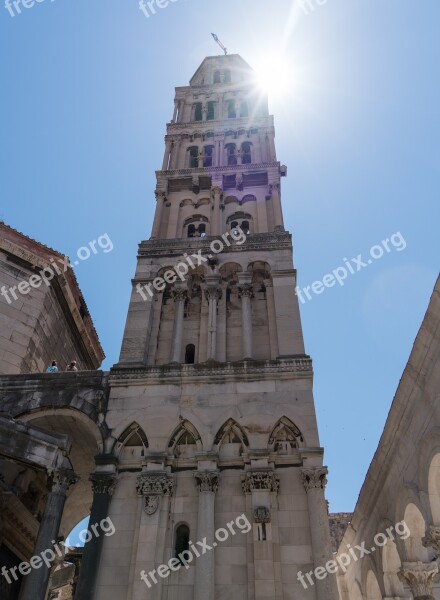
(275, 76)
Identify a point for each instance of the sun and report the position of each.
(274, 76)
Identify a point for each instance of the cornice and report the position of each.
(292, 368)
(226, 124)
(258, 241)
(223, 169)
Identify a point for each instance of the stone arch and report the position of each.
(261, 271)
(185, 441)
(131, 444)
(416, 524)
(372, 587)
(285, 437)
(231, 440)
(87, 441)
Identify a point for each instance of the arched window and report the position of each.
(202, 230)
(244, 109)
(217, 77)
(193, 157)
(246, 153)
(191, 230)
(190, 354)
(245, 227)
(182, 540)
(208, 156)
(231, 151)
(227, 76)
(230, 107)
(198, 112)
(211, 111)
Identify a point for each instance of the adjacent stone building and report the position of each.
(403, 484)
(44, 323)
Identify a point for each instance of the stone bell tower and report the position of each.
(211, 409)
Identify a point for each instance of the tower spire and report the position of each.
(222, 46)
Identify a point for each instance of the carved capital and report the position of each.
(315, 478)
(246, 291)
(152, 486)
(207, 481)
(420, 578)
(213, 293)
(216, 193)
(154, 483)
(262, 514)
(103, 483)
(179, 295)
(60, 480)
(260, 480)
(160, 195)
(432, 539)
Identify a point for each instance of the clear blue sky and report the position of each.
(87, 88)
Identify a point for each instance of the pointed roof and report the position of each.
(234, 62)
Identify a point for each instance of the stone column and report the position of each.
(315, 480)
(271, 319)
(156, 489)
(160, 200)
(274, 193)
(262, 485)
(103, 486)
(35, 584)
(213, 295)
(246, 294)
(216, 195)
(181, 108)
(207, 484)
(263, 153)
(175, 154)
(176, 108)
(179, 296)
(420, 578)
(166, 158)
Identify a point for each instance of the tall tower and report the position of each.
(211, 407)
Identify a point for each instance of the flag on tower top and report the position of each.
(222, 46)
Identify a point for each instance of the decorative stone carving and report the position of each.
(432, 539)
(103, 483)
(207, 481)
(314, 478)
(160, 195)
(216, 193)
(260, 480)
(179, 294)
(420, 578)
(246, 291)
(60, 480)
(262, 515)
(213, 293)
(152, 486)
